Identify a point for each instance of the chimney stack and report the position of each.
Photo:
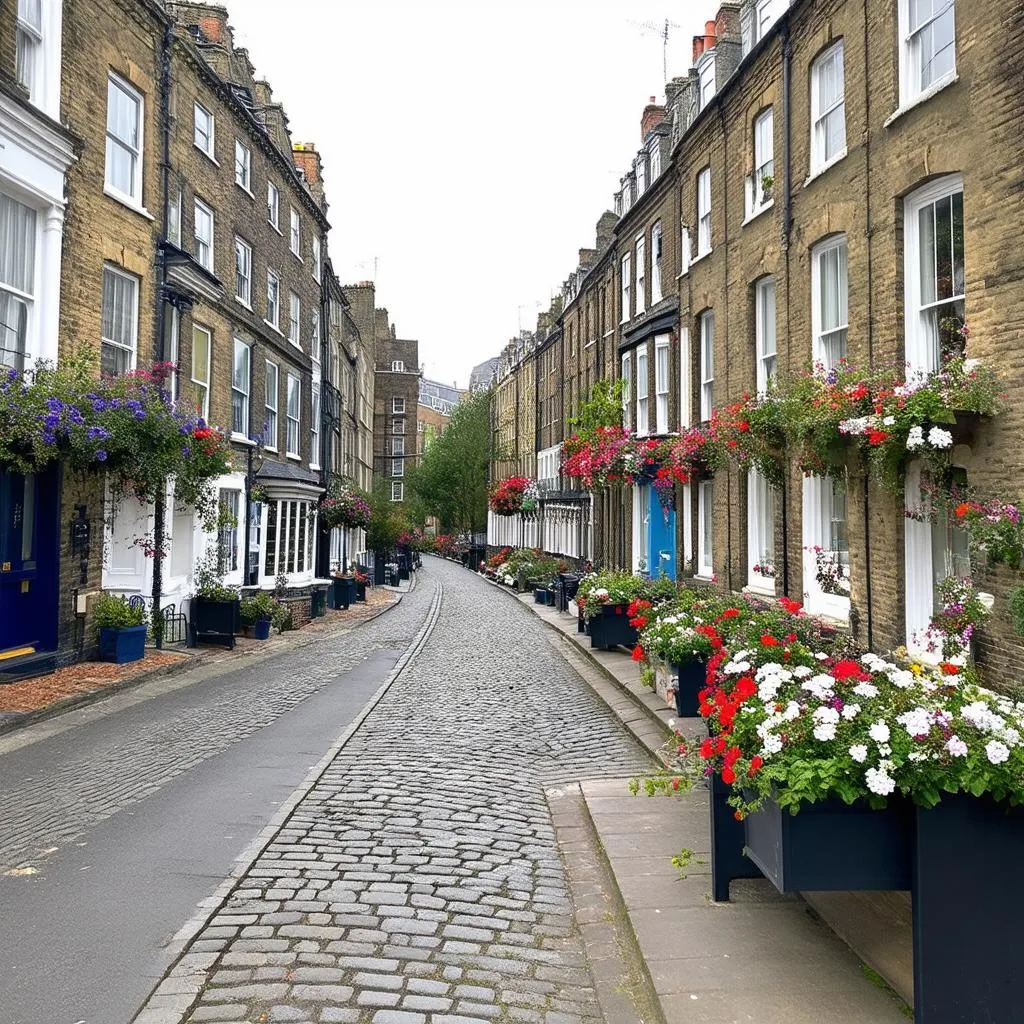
(653, 115)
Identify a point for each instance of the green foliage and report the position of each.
(603, 408)
(209, 580)
(262, 606)
(450, 481)
(114, 612)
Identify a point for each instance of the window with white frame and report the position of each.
(123, 175)
(17, 279)
(293, 413)
(828, 108)
(829, 312)
(661, 375)
(398, 405)
(826, 547)
(201, 349)
(397, 490)
(314, 334)
(273, 299)
(240, 382)
(243, 272)
(204, 234)
(398, 425)
(229, 501)
(270, 406)
(398, 467)
(398, 366)
(641, 173)
(174, 218)
(760, 532)
(761, 182)
(29, 52)
(316, 269)
(314, 417)
(707, 364)
(273, 205)
(203, 133)
(704, 212)
(642, 420)
(764, 330)
(172, 347)
(685, 379)
(398, 446)
(685, 249)
(295, 236)
(705, 528)
(294, 318)
(656, 253)
(626, 276)
(706, 76)
(934, 280)
(642, 530)
(757, 20)
(655, 159)
(641, 274)
(243, 165)
(627, 387)
(120, 334)
(928, 51)
(289, 544)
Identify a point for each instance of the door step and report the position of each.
(24, 663)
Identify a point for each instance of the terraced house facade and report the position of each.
(830, 181)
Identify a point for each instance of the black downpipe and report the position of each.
(787, 221)
(159, 510)
(728, 478)
(871, 358)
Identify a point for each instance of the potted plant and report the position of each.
(343, 591)
(605, 598)
(121, 628)
(362, 579)
(259, 612)
(214, 607)
(767, 181)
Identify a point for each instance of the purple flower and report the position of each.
(186, 451)
(97, 433)
(101, 455)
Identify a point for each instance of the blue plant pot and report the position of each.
(611, 628)
(540, 595)
(261, 629)
(122, 645)
(692, 678)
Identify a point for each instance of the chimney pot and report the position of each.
(698, 48)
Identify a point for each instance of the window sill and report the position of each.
(760, 589)
(294, 458)
(701, 256)
(296, 255)
(275, 227)
(704, 577)
(120, 197)
(248, 192)
(921, 97)
(295, 344)
(268, 448)
(682, 273)
(209, 156)
(817, 172)
(243, 303)
(273, 327)
(242, 439)
(314, 466)
(757, 213)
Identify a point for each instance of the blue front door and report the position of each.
(29, 524)
(661, 556)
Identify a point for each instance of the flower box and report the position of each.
(317, 603)
(360, 591)
(214, 622)
(123, 644)
(830, 846)
(691, 678)
(727, 843)
(611, 628)
(967, 900)
(540, 595)
(343, 591)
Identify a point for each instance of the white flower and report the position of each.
(801, 672)
(772, 745)
(1011, 736)
(791, 711)
(767, 690)
(825, 731)
(826, 714)
(600, 593)
(997, 752)
(866, 690)
(970, 365)
(822, 656)
(917, 722)
(851, 711)
(956, 746)
(939, 438)
(859, 752)
(879, 732)
(878, 782)
(888, 421)
(915, 438)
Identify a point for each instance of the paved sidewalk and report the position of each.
(762, 958)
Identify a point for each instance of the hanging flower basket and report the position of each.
(344, 506)
(514, 496)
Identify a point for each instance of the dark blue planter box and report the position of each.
(124, 644)
(728, 861)
(540, 595)
(261, 629)
(691, 679)
(317, 603)
(968, 902)
(343, 592)
(360, 591)
(832, 846)
(214, 622)
(611, 628)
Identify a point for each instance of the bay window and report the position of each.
(17, 279)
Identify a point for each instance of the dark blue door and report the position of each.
(29, 541)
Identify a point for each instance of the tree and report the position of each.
(387, 520)
(451, 479)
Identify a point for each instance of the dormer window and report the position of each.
(706, 73)
(641, 175)
(655, 160)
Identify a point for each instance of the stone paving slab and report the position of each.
(762, 957)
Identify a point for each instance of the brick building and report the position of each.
(803, 212)
(396, 391)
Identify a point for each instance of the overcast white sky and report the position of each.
(469, 146)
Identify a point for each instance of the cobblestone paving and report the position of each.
(54, 807)
(419, 880)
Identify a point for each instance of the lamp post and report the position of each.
(253, 464)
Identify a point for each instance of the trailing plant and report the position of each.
(514, 495)
(961, 611)
(344, 505)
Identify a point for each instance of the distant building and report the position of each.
(483, 375)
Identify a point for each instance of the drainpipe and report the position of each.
(867, 234)
(159, 504)
(787, 219)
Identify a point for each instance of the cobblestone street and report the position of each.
(419, 879)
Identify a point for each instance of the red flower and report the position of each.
(963, 509)
(767, 640)
(846, 669)
(675, 783)
(743, 426)
(791, 606)
(737, 815)
(732, 755)
(876, 437)
(727, 714)
(755, 765)
(730, 613)
(746, 688)
(791, 638)
(949, 669)
(720, 744)
(728, 776)
(707, 749)
(638, 653)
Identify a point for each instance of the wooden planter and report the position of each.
(214, 622)
(122, 644)
(832, 846)
(611, 628)
(691, 678)
(727, 841)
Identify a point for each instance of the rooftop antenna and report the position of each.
(663, 30)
